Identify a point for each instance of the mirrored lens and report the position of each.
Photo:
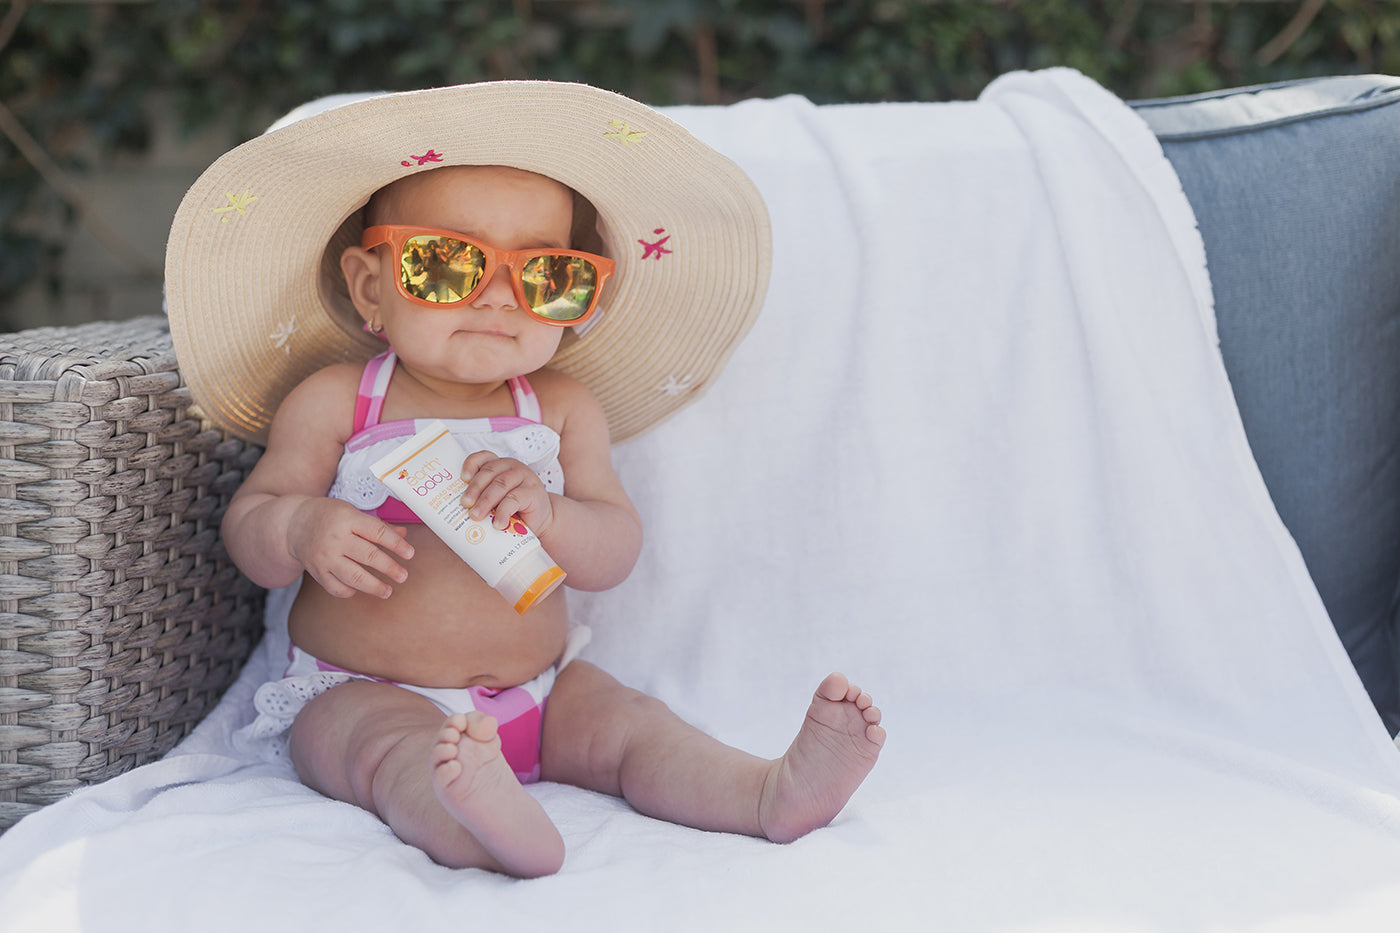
(560, 288)
(440, 269)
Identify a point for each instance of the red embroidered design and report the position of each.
(432, 155)
(658, 249)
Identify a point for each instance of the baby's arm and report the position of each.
(280, 522)
(593, 531)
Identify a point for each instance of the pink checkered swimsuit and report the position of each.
(521, 436)
(518, 710)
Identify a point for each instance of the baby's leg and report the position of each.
(441, 786)
(607, 737)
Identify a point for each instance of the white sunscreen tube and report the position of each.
(425, 472)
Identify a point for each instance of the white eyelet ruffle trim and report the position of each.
(535, 445)
(278, 702)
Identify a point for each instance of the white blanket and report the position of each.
(980, 453)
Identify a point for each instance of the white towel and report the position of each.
(980, 453)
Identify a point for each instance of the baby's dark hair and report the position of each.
(582, 236)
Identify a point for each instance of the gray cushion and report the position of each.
(1296, 188)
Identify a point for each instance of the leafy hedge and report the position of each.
(89, 79)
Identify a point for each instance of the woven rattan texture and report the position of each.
(122, 619)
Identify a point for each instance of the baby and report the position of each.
(416, 691)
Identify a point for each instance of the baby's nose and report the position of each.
(499, 291)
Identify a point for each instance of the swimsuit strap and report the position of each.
(369, 403)
(527, 403)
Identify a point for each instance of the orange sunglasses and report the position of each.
(442, 269)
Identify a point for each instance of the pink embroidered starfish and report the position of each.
(431, 155)
(658, 249)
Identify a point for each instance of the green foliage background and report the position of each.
(86, 80)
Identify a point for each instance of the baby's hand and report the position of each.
(505, 487)
(338, 545)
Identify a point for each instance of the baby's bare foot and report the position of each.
(833, 752)
(478, 789)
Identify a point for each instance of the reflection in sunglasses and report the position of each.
(440, 270)
(444, 270)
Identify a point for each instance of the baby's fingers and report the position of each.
(333, 585)
(490, 483)
(389, 537)
(342, 578)
(375, 558)
(346, 569)
(346, 578)
(476, 461)
(512, 503)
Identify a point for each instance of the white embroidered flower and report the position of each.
(674, 387)
(283, 335)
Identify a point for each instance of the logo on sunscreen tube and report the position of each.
(427, 478)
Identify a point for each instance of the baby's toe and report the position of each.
(835, 688)
(445, 748)
(448, 770)
(480, 727)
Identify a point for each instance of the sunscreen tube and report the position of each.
(425, 472)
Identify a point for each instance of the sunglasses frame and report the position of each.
(397, 235)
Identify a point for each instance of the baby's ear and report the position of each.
(361, 268)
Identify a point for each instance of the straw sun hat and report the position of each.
(253, 284)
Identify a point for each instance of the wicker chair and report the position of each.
(122, 619)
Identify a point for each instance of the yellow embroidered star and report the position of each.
(624, 133)
(236, 202)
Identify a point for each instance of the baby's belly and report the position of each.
(443, 627)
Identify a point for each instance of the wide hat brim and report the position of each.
(252, 277)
